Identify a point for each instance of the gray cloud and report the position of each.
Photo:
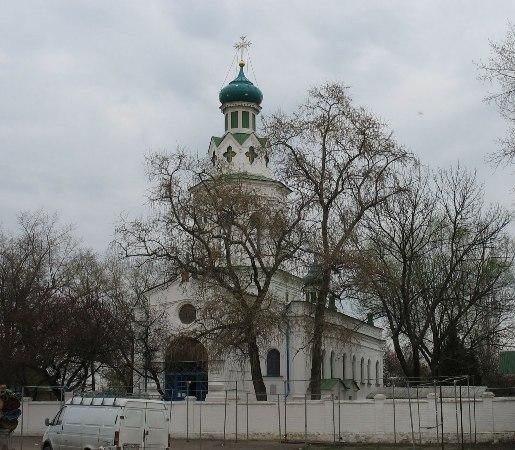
(88, 88)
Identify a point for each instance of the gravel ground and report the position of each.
(33, 443)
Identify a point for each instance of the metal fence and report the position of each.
(289, 417)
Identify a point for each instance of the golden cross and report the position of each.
(242, 45)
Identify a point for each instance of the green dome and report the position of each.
(241, 90)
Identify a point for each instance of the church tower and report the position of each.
(240, 153)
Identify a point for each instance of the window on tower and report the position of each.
(226, 121)
(245, 119)
(254, 122)
(234, 119)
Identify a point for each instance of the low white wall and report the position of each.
(324, 420)
(32, 420)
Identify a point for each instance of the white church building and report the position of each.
(353, 356)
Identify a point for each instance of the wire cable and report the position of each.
(229, 69)
(252, 68)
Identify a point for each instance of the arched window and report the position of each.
(331, 364)
(344, 363)
(377, 373)
(362, 371)
(369, 374)
(322, 366)
(273, 363)
(354, 367)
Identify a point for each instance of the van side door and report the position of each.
(132, 420)
(156, 426)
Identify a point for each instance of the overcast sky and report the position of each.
(88, 88)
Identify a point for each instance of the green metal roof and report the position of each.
(241, 90)
(329, 384)
(217, 140)
(240, 138)
(507, 363)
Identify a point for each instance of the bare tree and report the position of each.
(345, 161)
(139, 332)
(54, 317)
(436, 263)
(228, 235)
(499, 70)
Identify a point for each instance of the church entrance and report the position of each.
(186, 370)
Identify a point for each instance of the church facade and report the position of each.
(353, 351)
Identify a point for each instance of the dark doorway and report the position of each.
(186, 370)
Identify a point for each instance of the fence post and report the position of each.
(456, 409)
(418, 413)
(394, 423)
(200, 422)
(170, 427)
(339, 413)
(236, 411)
(411, 417)
(225, 412)
(187, 418)
(334, 426)
(461, 421)
(306, 419)
(285, 418)
(468, 401)
(436, 414)
(475, 420)
(22, 414)
(441, 415)
(279, 414)
(247, 416)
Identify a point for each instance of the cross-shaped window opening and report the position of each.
(229, 154)
(251, 154)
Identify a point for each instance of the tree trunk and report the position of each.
(255, 369)
(400, 355)
(316, 348)
(416, 363)
(93, 384)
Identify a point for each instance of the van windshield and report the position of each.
(57, 417)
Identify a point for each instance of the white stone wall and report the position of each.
(325, 420)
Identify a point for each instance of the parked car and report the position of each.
(108, 423)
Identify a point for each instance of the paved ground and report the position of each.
(33, 443)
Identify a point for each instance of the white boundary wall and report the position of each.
(358, 420)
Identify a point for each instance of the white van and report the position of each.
(116, 423)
